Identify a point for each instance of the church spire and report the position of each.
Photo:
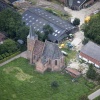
(32, 33)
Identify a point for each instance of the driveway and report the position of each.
(81, 14)
(94, 95)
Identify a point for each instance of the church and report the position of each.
(45, 55)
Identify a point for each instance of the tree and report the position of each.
(54, 84)
(11, 23)
(40, 36)
(8, 46)
(22, 33)
(91, 73)
(48, 29)
(76, 22)
(85, 41)
(92, 29)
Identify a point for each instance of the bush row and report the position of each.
(6, 54)
(8, 57)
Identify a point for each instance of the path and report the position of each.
(94, 95)
(23, 54)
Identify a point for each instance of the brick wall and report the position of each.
(90, 58)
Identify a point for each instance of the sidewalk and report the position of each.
(23, 54)
(94, 95)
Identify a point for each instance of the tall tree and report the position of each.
(92, 29)
(91, 73)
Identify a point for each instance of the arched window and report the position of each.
(55, 62)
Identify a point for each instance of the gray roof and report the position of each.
(37, 17)
(91, 49)
(78, 3)
(51, 51)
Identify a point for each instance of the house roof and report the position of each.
(91, 49)
(73, 71)
(38, 48)
(78, 2)
(37, 17)
(51, 51)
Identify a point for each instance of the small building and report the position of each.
(91, 54)
(2, 38)
(73, 72)
(79, 4)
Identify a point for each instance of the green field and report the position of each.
(20, 81)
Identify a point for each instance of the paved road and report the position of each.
(23, 54)
(94, 95)
(81, 14)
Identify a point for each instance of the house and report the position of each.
(78, 4)
(45, 55)
(2, 38)
(37, 17)
(73, 72)
(91, 54)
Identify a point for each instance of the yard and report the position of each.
(20, 81)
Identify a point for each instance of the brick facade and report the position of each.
(35, 50)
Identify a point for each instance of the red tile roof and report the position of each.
(38, 48)
(73, 71)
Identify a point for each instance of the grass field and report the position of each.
(20, 81)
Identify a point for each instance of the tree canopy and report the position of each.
(11, 23)
(8, 46)
(92, 29)
(76, 22)
(91, 73)
(48, 29)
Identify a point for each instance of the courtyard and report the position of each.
(20, 81)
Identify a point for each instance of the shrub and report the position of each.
(76, 22)
(3, 55)
(83, 97)
(54, 84)
(7, 54)
(91, 73)
(90, 85)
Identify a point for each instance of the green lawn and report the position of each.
(20, 81)
(97, 98)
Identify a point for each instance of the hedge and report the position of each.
(9, 57)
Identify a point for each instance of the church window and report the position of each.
(55, 62)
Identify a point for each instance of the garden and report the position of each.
(20, 81)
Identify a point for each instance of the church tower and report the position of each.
(31, 38)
